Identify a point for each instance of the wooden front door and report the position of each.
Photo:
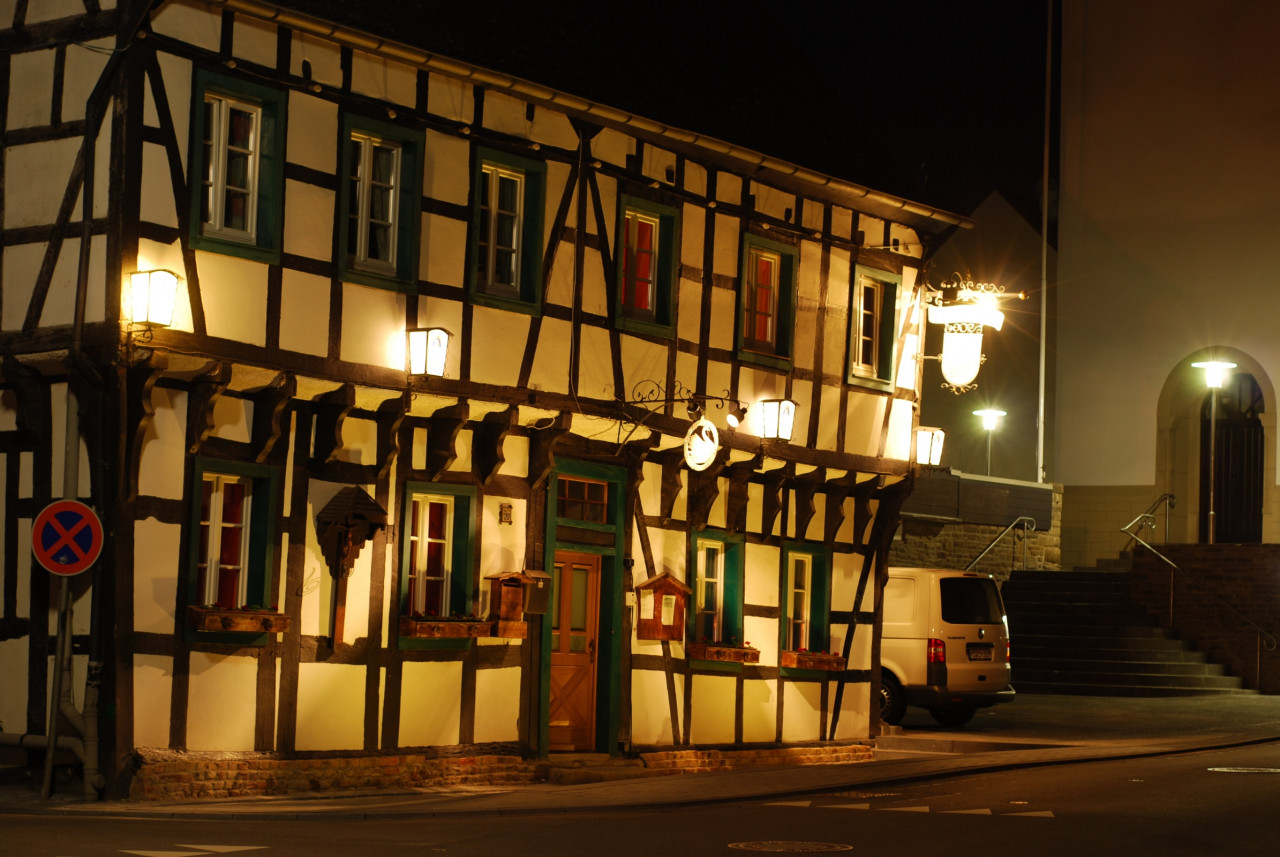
(575, 611)
(1239, 456)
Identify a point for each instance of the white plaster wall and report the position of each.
(373, 326)
(442, 259)
(552, 128)
(762, 633)
(29, 102)
(177, 89)
(304, 313)
(221, 702)
(35, 176)
(802, 711)
(308, 220)
(157, 204)
(254, 40)
(462, 452)
(650, 707)
(506, 115)
(855, 712)
(695, 179)
(313, 130)
(330, 707)
(497, 704)
(595, 363)
(502, 548)
(186, 20)
(430, 703)
(901, 430)
(728, 188)
(152, 700)
(759, 711)
(559, 291)
(551, 360)
(234, 291)
(450, 98)
(714, 706)
(14, 656)
(82, 70)
(383, 78)
(656, 163)
(233, 419)
(58, 432)
(516, 463)
(156, 565)
(612, 147)
(324, 56)
(865, 415)
(491, 365)
(447, 177)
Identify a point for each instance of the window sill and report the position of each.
(773, 361)
(512, 304)
(811, 661)
(723, 653)
(236, 621)
(434, 629)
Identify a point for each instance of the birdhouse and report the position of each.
(662, 600)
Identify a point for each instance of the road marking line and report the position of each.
(905, 808)
(1045, 814)
(967, 811)
(847, 806)
(224, 849)
(790, 803)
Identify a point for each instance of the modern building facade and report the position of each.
(554, 539)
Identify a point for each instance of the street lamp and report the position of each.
(1215, 372)
(990, 419)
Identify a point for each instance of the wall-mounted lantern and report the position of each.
(929, 445)
(428, 350)
(149, 298)
(777, 418)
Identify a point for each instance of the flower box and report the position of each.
(511, 630)
(811, 661)
(239, 621)
(724, 652)
(434, 628)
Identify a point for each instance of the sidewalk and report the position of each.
(1033, 730)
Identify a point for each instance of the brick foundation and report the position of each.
(699, 761)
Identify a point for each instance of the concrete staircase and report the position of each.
(1075, 632)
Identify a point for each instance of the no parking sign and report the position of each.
(66, 537)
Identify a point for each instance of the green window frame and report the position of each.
(648, 260)
(231, 555)
(805, 617)
(439, 559)
(505, 246)
(380, 200)
(236, 161)
(716, 571)
(767, 302)
(873, 304)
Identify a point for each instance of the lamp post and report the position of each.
(990, 419)
(1215, 372)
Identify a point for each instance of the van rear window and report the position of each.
(970, 601)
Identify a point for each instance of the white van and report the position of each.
(944, 646)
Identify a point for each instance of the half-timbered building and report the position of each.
(637, 497)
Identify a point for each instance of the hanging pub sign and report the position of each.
(701, 444)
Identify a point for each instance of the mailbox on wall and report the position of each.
(660, 615)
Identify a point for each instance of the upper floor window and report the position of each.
(648, 262)
(381, 201)
(506, 245)
(232, 527)
(872, 315)
(237, 158)
(766, 302)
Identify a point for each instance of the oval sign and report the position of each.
(701, 444)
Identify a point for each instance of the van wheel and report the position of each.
(952, 716)
(892, 703)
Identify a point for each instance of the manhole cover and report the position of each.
(789, 847)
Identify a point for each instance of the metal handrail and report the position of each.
(1028, 524)
(1148, 520)
(1170, 501)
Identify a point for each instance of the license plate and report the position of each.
(979, 653)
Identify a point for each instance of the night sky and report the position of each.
(939, 101)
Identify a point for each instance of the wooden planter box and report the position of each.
(250, 621)
(430, 629)
(511, 630)
(726, 653)
(811, 661)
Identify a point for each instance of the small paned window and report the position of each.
(229, 185)
(798, 589)
(506, 231)
(871, 326)
(648, 265)
(582, 500)
(709, 609)
(373, 186)
(766, 302)
(430, 554)
(501, 222)
(236, 162)
(641, 251)
(232, 527)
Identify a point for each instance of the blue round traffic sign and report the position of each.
(66, 537)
